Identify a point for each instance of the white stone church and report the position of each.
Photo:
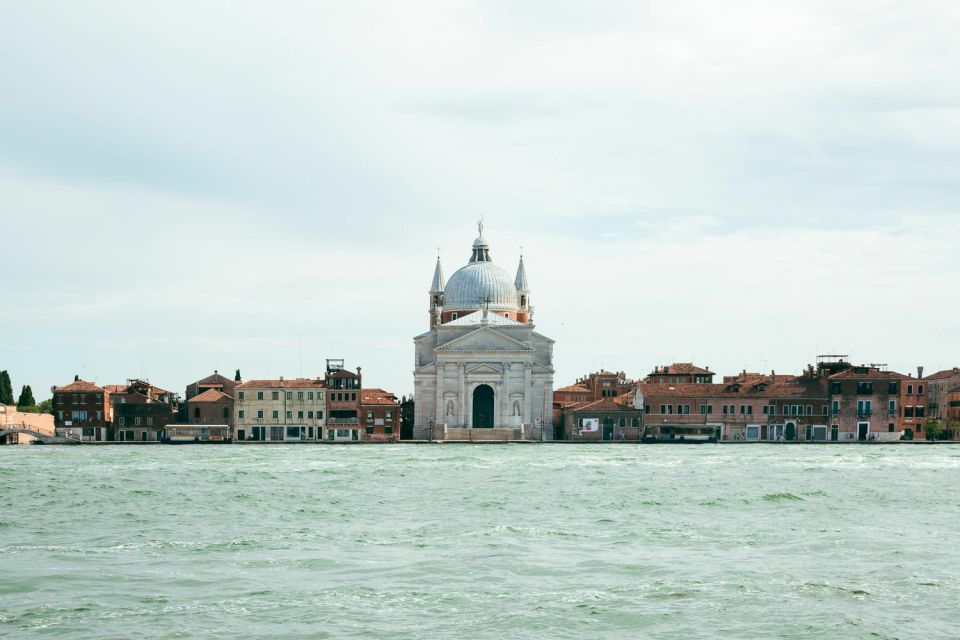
(482, 372)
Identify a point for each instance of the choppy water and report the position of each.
(448, 541)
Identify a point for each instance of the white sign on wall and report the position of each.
(590, 424)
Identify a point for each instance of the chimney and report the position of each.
(920, 372)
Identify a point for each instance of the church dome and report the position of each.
(479, 283)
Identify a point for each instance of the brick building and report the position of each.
(951, 416)
(381, 415)
(214, 381)
(343, 402)
(279, 410)
(211, 407)
(680, 373)
(140, 411)
(939, 387)
(868, 402)
(599, 420)
(82, 411)
(746, 407)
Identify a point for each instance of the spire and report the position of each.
(437, 285)
(520, 282)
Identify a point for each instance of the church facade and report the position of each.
(482, 372)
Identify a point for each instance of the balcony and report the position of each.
(348, 421)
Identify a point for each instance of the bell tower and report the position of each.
(525, 311)
(436, 294)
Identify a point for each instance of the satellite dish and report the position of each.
(53, 389)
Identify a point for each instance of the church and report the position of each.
(482, 372)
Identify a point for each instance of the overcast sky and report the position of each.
(190, 186)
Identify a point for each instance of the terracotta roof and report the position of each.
(377, 396)
(296, 383)
(211, 395)
(80, 385)
(573, 388)
(940, 375)
(797, 387)
(681, 368)
(122, 388)
(870, 373)
(603, 404)
(213, 378)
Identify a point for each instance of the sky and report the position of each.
(190, 186)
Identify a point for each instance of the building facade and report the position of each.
(482, 365)
(747, 407)
(211, 407)
(868, 403)
(214, 381)
(344, 389)
(82, 411)
(600, 420)
(280, 410)
(381, 415)
(140, 411)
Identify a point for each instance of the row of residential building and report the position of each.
(335, 407)
(834, 401)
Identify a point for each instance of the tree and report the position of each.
(46, 406)
(932, 426)
(6, 388)
(236, 377)
(76, 377)
(26, 397)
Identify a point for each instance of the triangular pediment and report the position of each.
(485, 367)
(483, 340)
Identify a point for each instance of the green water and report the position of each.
(451, 541)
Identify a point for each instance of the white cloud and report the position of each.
(745, 184)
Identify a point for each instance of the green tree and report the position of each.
(26, 397)
(932, 427)
(45, 406)
(237, 376)
(76, 377)
(6, 388)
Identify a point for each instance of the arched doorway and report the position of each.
(483, 407)
(791, 431)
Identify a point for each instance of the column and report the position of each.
(527, 393)
(462, 394)
(438, 412)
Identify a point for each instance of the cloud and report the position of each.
(206, 183)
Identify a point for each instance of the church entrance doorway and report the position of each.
(483, 407)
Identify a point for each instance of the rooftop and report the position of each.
(80, 385)
(295, 383)
(211, 395)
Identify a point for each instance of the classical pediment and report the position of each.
(483, 340)
(485, 367)
(430, 367)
